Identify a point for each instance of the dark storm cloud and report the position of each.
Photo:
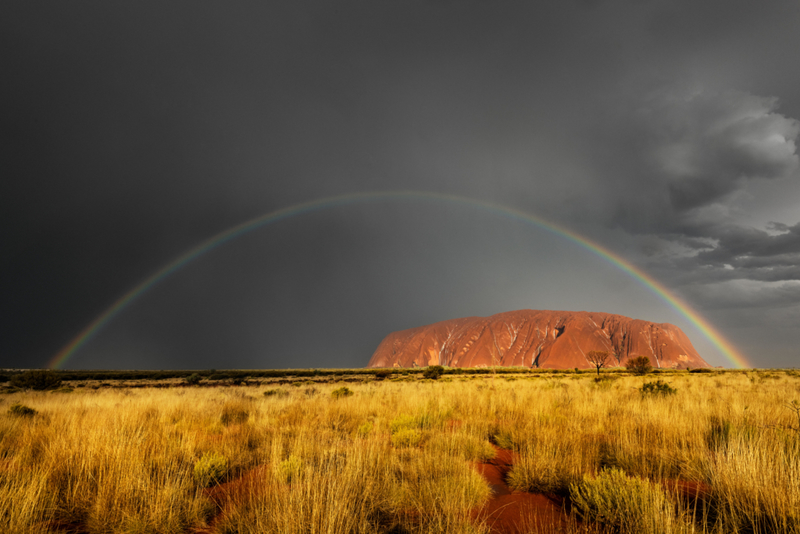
(691, 149)
(131, 133)
(749, 295)
(751, 246)
(683, 158)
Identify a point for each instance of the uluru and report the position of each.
(537, 339)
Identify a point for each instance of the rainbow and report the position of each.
(728, 350)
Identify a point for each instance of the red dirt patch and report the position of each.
(692, 492)
(512, 512)
(242, 488)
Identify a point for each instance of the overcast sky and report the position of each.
(665, 131)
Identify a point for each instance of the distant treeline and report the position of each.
(227, 374)
(379, 373)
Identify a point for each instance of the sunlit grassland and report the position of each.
(398, 456)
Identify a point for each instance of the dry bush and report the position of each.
(20, 410)
(341, 393)
(235, 412)
(210, 469)
(629, 504)
(463, 445)
(639, 365)
(407, 437)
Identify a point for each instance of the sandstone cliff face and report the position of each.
(533, 338)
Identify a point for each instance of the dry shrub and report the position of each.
(639, 365)
(289, 470)
(365, 429)
(460, 445)
(210, 469)
(407, 437)
(629, 504)
(503, 437)
(657, 388)
(20, 410)
(234, 413)
(407, 422)
(341, 392)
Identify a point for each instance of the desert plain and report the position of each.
(406, 451)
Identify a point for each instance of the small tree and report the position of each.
(639, 365)
(598, 358)
(433, 372)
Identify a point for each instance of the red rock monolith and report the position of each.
(538, 339)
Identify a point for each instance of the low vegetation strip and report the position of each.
(49, 379)
(398, 455)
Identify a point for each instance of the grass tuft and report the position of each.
(210, 469)
(627, 504)
(341, 393)
(20, 410)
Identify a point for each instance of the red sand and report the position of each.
(235, 490)
(692, 492)
(511, 512)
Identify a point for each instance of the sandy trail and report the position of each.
(512, 512)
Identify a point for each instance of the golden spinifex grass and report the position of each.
(399, 456)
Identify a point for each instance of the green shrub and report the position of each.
(38, 379)
(341, 392)
(639, 365)
(20, 410)
(433, 372)
(193, 379)
(659, 387)
(627, 504)
(210, 469)
(276, 392)
(406, 421)
(382, 374)
(365, 429)
(409, 437)
(701, 370)
(289, 469)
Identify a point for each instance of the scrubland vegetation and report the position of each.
(714, 452)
